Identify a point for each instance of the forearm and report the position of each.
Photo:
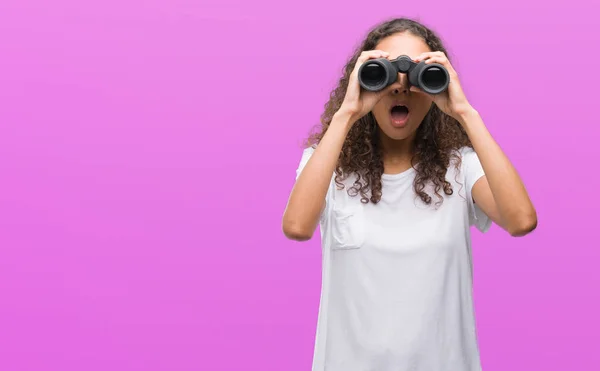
(307, 197)
(511, 198)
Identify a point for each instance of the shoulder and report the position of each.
(465, 167)
(469, 168)
(463, 152)
(463, 157)
(308, 151)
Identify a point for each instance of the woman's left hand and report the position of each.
(452, 101)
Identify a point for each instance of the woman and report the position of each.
(395, 195)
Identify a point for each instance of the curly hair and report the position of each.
(437, 139)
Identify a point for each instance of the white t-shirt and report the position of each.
(397, 277)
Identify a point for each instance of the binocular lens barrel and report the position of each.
(434, 78)
(377, 74)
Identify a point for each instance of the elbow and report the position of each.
(295, 232)
(524, 226)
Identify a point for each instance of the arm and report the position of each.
(307, 199)
(500, 193)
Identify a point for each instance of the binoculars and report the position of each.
(377, 74)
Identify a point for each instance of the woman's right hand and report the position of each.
(357, 101)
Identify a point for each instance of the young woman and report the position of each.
(395, 195)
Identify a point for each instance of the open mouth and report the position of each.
(399, 114)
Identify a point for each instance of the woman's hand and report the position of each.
(453, 101)
(357, 101)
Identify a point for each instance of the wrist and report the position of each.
(466, 115)
(343, 118)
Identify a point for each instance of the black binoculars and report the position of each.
(377, 74)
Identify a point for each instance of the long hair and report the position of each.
(437, 138)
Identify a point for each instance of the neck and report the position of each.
(396, 149)
(397, 154)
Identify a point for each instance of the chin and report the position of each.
(397, 133)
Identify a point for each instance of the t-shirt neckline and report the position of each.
(399, 175)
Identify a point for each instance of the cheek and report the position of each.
(379, 111)
(423, 100)
(421, 107)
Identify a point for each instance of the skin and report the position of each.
(500, 193)
(397, 142)
(418, 104)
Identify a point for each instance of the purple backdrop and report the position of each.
(148, 148)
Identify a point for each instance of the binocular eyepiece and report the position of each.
(377, 74)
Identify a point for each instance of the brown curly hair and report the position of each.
(437, 139)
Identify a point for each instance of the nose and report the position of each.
(401, 85)
(400, 90)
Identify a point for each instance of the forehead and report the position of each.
(403, 44)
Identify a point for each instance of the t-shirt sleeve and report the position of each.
(306, 155)
(472, 172)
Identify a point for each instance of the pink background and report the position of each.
(148, 148)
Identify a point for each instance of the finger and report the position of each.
(429, 55)
(442, 61)
(434, 54)
(372, 54)
(422, 57)
(439, 60)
